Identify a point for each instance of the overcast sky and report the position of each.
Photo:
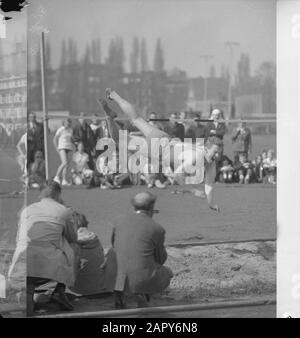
(187, 28)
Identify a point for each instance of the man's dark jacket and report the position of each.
(139, 245)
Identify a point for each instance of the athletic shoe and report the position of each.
(62, 300)
(65, 183)
(107, 109)
(108, 92)
(56, 179)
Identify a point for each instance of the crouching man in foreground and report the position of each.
(50, 237)
(139, 245)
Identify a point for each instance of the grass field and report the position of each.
(248, 212)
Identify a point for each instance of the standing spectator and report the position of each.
(64, 144)
(216, 128)
(95, 124)
(5, 136)
(197, 130)
(2, 136)
(82, 132)
(264, 155)
(101, 132)
(242, 140)
(35, 137)
(153, 116)
(173, 128)
(140, 264)
(22, 157)
(182, 118)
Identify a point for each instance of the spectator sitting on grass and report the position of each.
(226, 170)
(258, 168)
(270, 166)
(98, 269)
(81, 173)
(152, 179)
(244, 169)
(107, 172)
(37, 171)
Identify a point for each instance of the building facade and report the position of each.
(13, 98)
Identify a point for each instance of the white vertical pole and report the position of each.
(44, 98)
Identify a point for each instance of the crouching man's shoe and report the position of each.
(142, 300)
(120, 302)
(62, 300)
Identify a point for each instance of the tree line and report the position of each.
(78, 79)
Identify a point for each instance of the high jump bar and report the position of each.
(90, 117)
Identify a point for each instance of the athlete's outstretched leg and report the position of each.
(147, 129)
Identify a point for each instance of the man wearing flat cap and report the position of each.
(139, 245)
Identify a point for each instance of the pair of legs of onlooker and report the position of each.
(59, 296)
(226, 176)
(120, 296)
(244, 175)
(63, 170)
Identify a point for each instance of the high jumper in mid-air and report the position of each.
(189, 153)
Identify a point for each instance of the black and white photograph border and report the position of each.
(214, 245)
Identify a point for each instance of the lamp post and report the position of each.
(206, 58)
(231, 45)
